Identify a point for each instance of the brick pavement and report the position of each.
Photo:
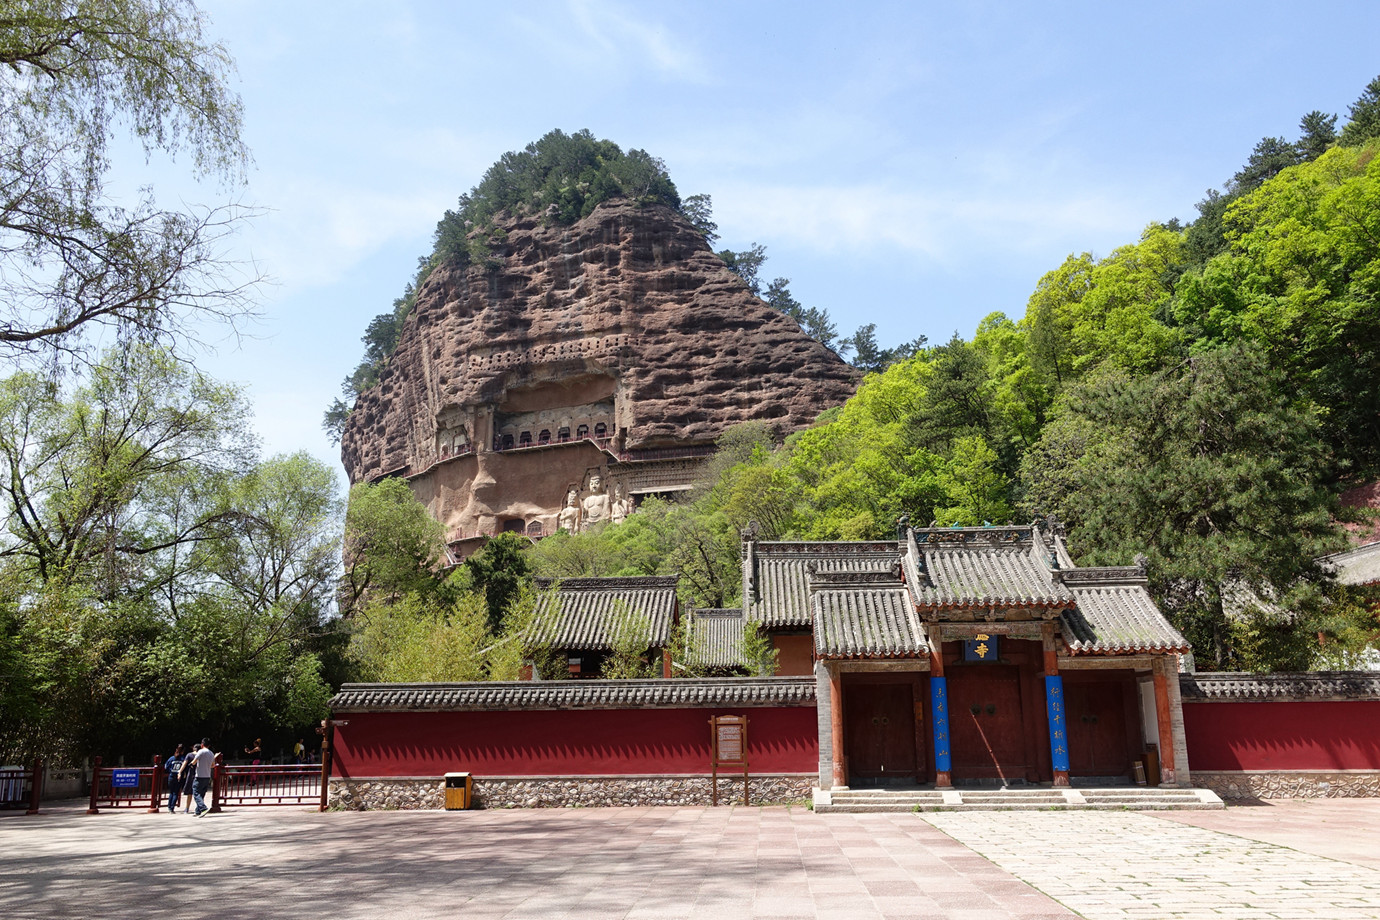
(729, 863)
(638, 863)
(1345, 829)
(1117, 865)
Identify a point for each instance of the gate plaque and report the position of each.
(728, 737)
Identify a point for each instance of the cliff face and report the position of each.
(620, 345)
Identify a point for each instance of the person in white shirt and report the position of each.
(205, 762)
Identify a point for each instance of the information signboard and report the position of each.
(124, 779)
(728, 738)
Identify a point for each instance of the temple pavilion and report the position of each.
(957, 655)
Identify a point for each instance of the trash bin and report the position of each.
(458, 786)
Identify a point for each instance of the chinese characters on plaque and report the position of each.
(982, 648)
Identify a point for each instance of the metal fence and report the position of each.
(232, 785)
(20, 787)
(126, 787)
(265, 784)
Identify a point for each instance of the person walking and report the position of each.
(205, 763)
(189, 778)
(172, 772)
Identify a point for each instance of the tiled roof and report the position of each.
(776, 575)
(581, 613)
(1117, 619)
(577, 694)
(1229, 686)
(1359, 566)
(870, 618)
(962, 567)
(716, 637)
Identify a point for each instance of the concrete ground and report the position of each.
(1299, 859)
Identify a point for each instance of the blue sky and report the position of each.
(917, 165)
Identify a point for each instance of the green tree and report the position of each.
(699, 210)
(1317, 133)
(1365, 117)
(80, 74)
(86, 477)
(1271, 156)
(416, 639)
(153, 572)
(1206, 467)
(746, 265)
(759, 654)
(628, 657)
(393, 546)
(500, 570)
(1302, 277)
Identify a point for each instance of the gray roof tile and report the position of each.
(776, 580)
(1359, 566)
(1229, 686)
(1118, 619)
(581, 613)
(577, 694)
(981, 567)
(716, 637)
(870, 618)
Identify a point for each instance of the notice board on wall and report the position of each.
(728, 738)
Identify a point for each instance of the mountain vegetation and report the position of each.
(562, 178)
(1199, 396)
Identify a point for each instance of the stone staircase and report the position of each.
(1031, 798)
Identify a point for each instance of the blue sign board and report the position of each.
(939, 708)
(1058, 724)
(124, 779)
(982, 648)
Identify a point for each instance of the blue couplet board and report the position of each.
(1058, 727)
(124, 779)
(939, 710)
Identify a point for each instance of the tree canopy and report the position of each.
(81, 72)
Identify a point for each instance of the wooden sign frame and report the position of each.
(728, 741)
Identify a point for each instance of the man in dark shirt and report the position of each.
(172, 772)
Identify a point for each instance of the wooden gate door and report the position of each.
(879, 728)
(986, 724)
(1097, 721)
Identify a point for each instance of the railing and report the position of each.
(126, 787)
(666, 453)
(20, 787)
(605, 443)
(265, 784)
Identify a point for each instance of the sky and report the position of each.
(914, 165)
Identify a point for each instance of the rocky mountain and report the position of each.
(581, 368)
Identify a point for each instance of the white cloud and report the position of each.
(609, 35)
(935, 223)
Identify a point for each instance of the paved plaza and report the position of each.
(1301, 859)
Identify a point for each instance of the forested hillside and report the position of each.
(1200, 395)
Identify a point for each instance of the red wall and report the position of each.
(566, 743)
(1343, 735)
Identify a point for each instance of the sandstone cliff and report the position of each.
(620, 344)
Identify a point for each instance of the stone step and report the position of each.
(862, 801)
(909, 797)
